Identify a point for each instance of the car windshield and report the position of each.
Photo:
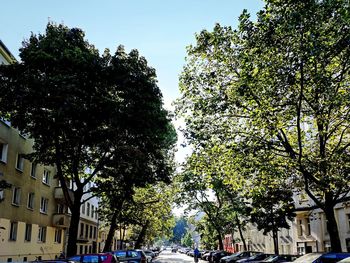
(308, 258)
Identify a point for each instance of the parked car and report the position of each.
(255, 258)
(237, 256)
(98, 258)
(131, 256)
(330, 257)
(150, 253)
(278, 259)
(215, 258)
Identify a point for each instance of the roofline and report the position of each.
(6, 53)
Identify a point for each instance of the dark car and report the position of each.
(211, 254)
(255, 258)
(277, 259)
(94, 258)
(215, 258)
(131, 256)
(237, 256)
(322, 258)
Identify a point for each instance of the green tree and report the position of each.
(82, 110)
(187, 240)
(205, 230)
(145, 151)
(148, 213)
(279, 85)
(180, 229)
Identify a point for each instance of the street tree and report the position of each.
(80, 108)
(146, 144)
(279, 85)
(187, 240)
(179, 230)
(148, 214)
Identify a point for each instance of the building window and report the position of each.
(81, 230)
(308, 227)
(95, 231)
(92, 211)
(58, 236)
(91, 229)
(86, 231)
(20, 162)
(46, 177)
(88, 209)
(30, 203)
(28, 232)
(83, 209)
(300, 227)
(16, 196)
(3, 152)
(13, 231)
(60, 209)
(43, 205)
(33, 170)
(42, 234)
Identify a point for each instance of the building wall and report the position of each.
(19, 212)
(307, 233)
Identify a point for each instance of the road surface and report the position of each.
(167, 256)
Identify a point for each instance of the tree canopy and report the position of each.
(88, 113)
(277, 90)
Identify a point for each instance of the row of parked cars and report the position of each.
(216, 256)
(126, 256)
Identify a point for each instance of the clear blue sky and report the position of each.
(159, 29)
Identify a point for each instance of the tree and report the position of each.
(149, 214)
(208, 240)
(82, 109)
(187, 240)
(179, 230)
(271, 208)
(279, 85)
(145, 152)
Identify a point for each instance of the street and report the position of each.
(168, 257)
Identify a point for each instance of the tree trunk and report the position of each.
(141, 237)
(239, 225)
(275, 241)
(112, 229)
(332, 228)
(74, 226)
(221, 243)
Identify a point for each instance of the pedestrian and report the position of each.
(196, 254)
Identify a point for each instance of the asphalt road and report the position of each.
(167, 256)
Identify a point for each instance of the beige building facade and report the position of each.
(34, 219)
(307, 233)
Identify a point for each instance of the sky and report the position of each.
(160, 29)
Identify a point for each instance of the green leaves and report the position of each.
(268, 102)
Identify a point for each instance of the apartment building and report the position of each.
(307, 233)
(28, 207)
(34, 218)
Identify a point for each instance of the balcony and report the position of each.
(59, 196)
(61, 220)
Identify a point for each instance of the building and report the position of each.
(34, 218)
(307, 233)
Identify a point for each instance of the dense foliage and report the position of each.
(90, 115)
(272, 97)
